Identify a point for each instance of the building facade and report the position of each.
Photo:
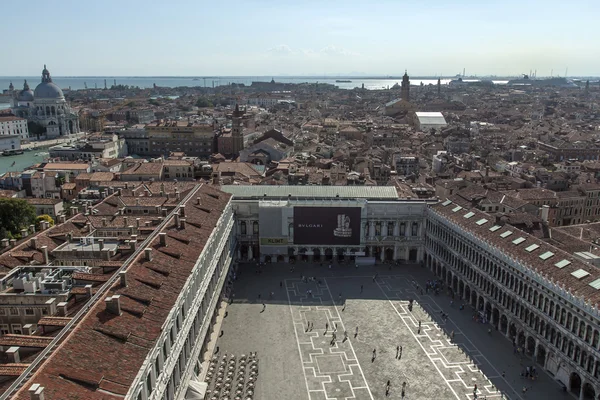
(298, 223)
(537, 296)
(179, 136)
(10, 126)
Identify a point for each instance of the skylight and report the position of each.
(447, 202)
(532, 247)
(495, 228)
(481, 221)
(595, 284)
(580, 273)
(469, 215)
(506, 234)
(519, 240)
(562, 263)
(546, 255)
(457, 208)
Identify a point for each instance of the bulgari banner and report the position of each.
(336, 226)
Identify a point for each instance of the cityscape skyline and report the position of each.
(308, 39)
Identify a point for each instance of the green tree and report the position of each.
(203, 102)
(15, 214)
(44, 217)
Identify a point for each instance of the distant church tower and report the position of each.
(237, 131)
(405, 87)
(439, 86)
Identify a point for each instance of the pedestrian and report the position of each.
(356, 332)
(259, 296)
(503, 374)
(221, 334)
(374, 353)
(361, 288)
(326, 326)
(311, 326)
(452, 335)
(280, 284)
(329, 266)
(217, 350)
(226, 314)
(400, 353)
(345, 335)
(264, 307)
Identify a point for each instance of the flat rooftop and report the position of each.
(310, 192)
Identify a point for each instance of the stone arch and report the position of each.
(316, 254)
(467, 293)
(70, 126)
(47, 110)
(521, 339)
(340, 252)
(389, 254)
(329, 254)
(455, 284)
(461, 288)
(530, 347)
(575, 383)
(589, 393)
(503, 323)
(495, 317)
(541, 355)
(512, 331)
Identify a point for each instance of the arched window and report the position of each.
(255, 227)
(414, 229)
(291, 231)
(243, 227)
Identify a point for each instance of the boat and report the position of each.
(12, 152)
(554, 81)
(342, 81)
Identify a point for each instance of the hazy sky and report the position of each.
(301, 37)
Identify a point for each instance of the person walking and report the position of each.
(397, 351)
(374, 354)
(356, 332)
(264, 307)
(361, 288)
(400, 353)
(326, 326)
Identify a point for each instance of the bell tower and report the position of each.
(237, 130)
(405, 87)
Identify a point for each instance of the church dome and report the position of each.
(48, 89)
(26, 94)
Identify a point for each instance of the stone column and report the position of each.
(250, 256)
(395, 248)
(384, 226)
(382, 254)
(396, 228)
(371, 229)
(581, 393)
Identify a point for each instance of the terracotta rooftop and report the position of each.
(54, 321)
(12, 369)
(24, 340)
(541, 259)
(102, 356)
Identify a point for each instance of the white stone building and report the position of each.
(47, 107)
(11, 125)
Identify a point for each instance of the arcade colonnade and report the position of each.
(554, 332)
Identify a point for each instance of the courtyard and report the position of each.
(290, 323)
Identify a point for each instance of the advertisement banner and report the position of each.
(273, 241)
(335, 226)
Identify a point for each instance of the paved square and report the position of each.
(338, 336)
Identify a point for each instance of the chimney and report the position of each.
(103, 221)
(33, 243)
(182, 223)
(147, 223)
(123, 277)
(32, 228)
(137, 202)
(36, 392)
(545, 211)
(182, 210)
(73, 211)
(177, 195)
(177, 223)
(148, 254)
(125, 221)
(88, 290)
(133, 242)
(62, 219)
(45, 253)
(198, 200)
(106, 254)
(137, 222)
(4, 243)
(13, 242)
(24, 233)
(131, 229)
(51, 306)
(165, 212)
(163, 238)
(28, 329)
(101, 244)
(13, 355)
(113, 304)
(62, 308)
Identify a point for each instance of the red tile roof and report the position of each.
(102, 356)
(528, 259)
(24, 340)
(12, 369)
(54, 321)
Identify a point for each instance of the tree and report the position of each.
(203, 102)
(15, 214)
(44, 217)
